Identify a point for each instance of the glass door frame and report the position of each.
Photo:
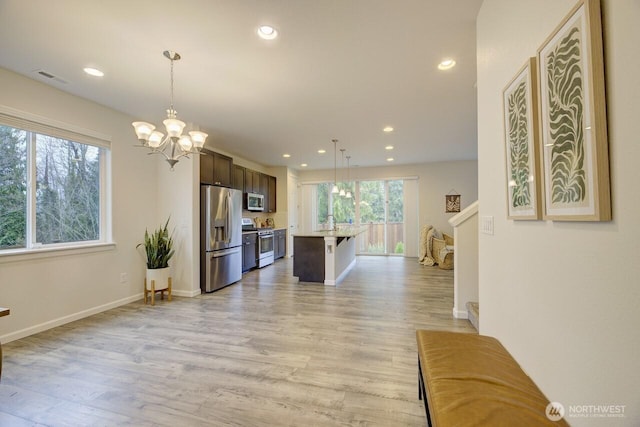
(357, 194)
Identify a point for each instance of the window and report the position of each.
(343, 208)
(13, 188)
(51, 186)
(376, 205)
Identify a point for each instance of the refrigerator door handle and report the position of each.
(228, 227)
(225, 252)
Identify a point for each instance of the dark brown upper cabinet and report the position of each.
(238, 178)
(216, 169)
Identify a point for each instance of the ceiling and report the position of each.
(340, 69)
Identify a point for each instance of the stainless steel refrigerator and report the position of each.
(221, 237)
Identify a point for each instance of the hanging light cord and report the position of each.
(171, 86)
(335, 162)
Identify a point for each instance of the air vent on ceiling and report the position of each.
(48, 75)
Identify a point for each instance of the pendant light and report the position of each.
(348, 195)
(342, 193)
(335, 189)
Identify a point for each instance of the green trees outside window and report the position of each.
(380, 208)
(65, 200)
(13, 188)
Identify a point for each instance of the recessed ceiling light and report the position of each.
(388, 129)
(286, 156)
(93, 72)
(304, 165)
(267, 32)
(446, 64)
(321, 151)
(389, 147)
(390, 159)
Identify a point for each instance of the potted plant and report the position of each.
(158, 247)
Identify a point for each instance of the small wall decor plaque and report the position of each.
(452, 203)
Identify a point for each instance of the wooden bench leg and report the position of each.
(422, 393)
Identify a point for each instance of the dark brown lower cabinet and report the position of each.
(279, 243)
(249, 251)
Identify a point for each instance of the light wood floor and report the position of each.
(264, 352)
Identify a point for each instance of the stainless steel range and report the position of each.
(265, 242)
(265, 247)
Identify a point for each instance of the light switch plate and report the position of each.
(486, 225)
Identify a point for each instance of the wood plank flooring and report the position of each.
(264, 352)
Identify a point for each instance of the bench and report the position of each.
(472, 380)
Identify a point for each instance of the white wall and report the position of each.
(43, 292)
(178, 198)
(564, 297)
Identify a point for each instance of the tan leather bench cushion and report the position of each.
(472, 380)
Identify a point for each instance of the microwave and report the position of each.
(255, 202)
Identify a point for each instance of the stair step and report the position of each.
(473, 311)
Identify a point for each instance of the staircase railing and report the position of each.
(465, 259)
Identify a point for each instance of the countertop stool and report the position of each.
(153, 291)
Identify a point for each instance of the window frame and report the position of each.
(34, 125)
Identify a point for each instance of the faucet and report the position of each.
(332, 223)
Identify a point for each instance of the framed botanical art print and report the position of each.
(521, 142)
(575, 158)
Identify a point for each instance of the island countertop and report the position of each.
(343, 231)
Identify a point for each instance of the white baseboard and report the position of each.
(32, 330)
(188, 294)
(460, 314)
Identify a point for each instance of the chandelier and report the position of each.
(175, 145)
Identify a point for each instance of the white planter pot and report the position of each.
(160, 276)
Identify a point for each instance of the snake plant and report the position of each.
(158, 247)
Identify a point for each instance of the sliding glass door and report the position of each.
(377, 205)
(381, 211)
(395, 217)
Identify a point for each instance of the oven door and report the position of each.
(266, 243)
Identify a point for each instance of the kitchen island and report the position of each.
(325, 256)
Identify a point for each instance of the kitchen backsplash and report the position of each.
(278, 219)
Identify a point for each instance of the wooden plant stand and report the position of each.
(153, 291)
